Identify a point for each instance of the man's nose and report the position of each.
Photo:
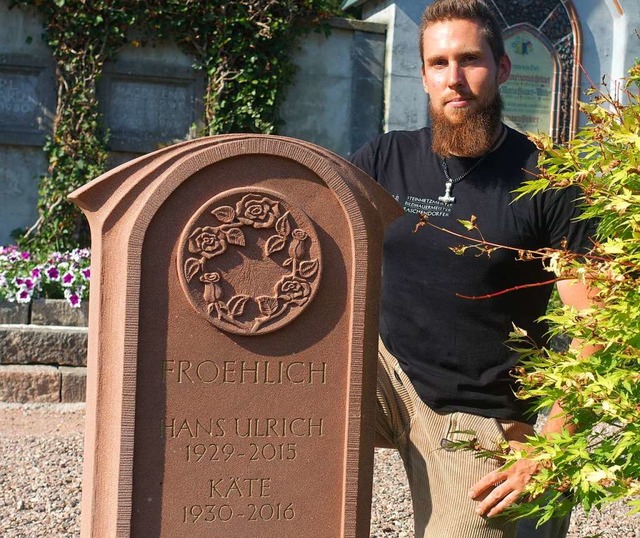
(455, 75)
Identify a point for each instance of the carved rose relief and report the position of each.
(286, 244)
(258, 211)
(294, 289)
(207, 241)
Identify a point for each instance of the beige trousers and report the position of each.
(440, 477)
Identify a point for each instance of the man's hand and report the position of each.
(499, 489)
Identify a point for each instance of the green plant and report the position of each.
(82, 36)
(243, 47)
(599, 391)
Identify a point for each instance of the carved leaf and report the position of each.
(235, 237)
(267, 305)
(236, 304)
(287, 262)
(191, 268)
(274, 244)
(309, 268)
(282, 226)
(221, 308)
(224, 213)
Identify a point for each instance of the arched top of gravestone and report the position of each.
(244, 275)
(100, 197)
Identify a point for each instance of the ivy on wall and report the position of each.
(244, 48)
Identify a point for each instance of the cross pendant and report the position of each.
(446, 197)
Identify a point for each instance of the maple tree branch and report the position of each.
(514, 288)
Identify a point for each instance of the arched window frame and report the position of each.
(565, 48)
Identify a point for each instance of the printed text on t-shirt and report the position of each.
(426, 206)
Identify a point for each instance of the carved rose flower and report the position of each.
(212, 290)
(299, 234)
(210, 277)
(296, 248)
(207, 241)
(294, 289)
(258, 211)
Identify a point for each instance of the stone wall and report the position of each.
(151, 97)
(27, 102)
(43, 349)
(337, 98)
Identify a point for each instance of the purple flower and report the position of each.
(73, 297)
(79, 254)
(21, 275)
(23, 296)
(53, 273)
(68, 279)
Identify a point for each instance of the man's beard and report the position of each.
(470, 135)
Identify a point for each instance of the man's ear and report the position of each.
(504, 69)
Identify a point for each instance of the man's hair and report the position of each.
(477, 10)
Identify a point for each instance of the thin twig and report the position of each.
(508, 290)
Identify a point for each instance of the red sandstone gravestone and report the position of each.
(232, 346)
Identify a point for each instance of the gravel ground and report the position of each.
(40, 482)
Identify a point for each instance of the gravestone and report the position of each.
(233, 342)
(27, 105)
(26, 98)
(529, 94)
(150, 96)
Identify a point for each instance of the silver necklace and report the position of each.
(446, 197)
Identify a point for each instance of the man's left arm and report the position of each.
(503, 487)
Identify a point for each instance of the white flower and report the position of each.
(552, 263)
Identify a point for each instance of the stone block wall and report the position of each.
(43, 349)
(151, 97)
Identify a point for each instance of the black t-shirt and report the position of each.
(453, 349)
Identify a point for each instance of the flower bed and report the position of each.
(59, 275)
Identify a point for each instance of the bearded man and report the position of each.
(444, 366)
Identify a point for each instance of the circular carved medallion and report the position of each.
(249, 262)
